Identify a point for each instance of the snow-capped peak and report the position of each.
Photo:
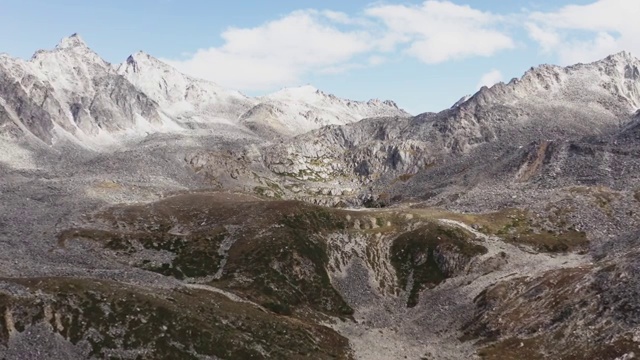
(311, 95)
(141, 61)
(304, 108)
(609, 87)
(71, 42)
(180, 94)
(621, 56)
(89, 98)
(298, 93)
(71, 65)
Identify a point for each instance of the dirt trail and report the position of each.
(230, 296)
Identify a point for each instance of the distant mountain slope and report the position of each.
(305, 108)
(180, 95)
(70, 92)
(548, 103)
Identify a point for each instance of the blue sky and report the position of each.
(424, 55)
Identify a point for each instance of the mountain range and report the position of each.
(78, 96)
(148, 214)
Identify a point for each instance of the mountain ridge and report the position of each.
(547, 103)
(94, 103)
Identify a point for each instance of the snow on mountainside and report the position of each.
(550, 100)
(553, 101)
(301, 109)
(181, 95)
(290, 111)
(70, 92)
(613, 82)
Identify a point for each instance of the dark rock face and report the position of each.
(117, 103)
(18, 101)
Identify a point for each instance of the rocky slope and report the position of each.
(548, 103)
(239, 261)
(395, 283)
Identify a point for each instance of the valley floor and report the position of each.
(93, 248)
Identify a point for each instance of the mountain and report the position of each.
(71, 93)
(299, 110)
(547, 103)
(181, 96)
(290, 111)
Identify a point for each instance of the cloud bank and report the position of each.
(282, 51)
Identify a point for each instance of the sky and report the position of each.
(424, 55)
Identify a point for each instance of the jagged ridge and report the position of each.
(70, 92)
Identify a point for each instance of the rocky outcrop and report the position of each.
(528, 317)
(20, 106)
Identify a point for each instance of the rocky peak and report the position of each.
(382, 103)
(131, 62)
(461, 101)
(141, 61)
(71, 52)
(617, 75)
(622, 56)
(73, 41)
(298, 92)
(390, 103)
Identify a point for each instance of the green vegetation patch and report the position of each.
(277, 245)
(196, 254)
(288, 266)
(520, 227)
(169, 324)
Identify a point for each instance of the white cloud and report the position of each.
(376, 60)
(548, 39)
(602, 45)
(589, 32)
(283, 51)
(279, 52)
(437, 31)
(337, 16)
(491, 78)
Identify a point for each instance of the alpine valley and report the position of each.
(146, 214)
